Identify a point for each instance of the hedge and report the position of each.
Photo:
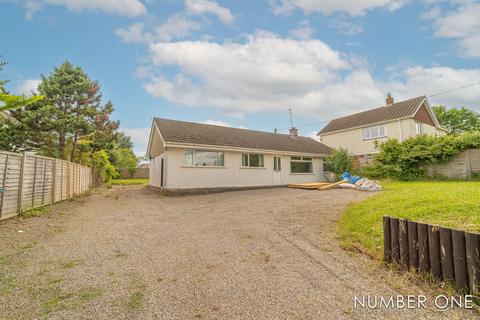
(406, 160)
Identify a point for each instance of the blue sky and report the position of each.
(244, 63)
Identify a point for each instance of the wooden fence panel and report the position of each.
(138, 173)
(449, 255)
(30, 181)
(10, 167)
(474, 160)
(460, 167)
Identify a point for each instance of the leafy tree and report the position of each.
(457, 120)
(70, 123)
(123, 158)
(340, 161)
(10, 101)
(70, 104)
(103, 167)
(13, 134)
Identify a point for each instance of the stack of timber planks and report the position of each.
(315, 185)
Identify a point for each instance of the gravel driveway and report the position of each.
(130, 253)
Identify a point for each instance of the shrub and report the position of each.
(406, 160)
(340, 161)
(103, 167)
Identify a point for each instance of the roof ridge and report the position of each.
(380, 107)
(243, 129)
(398, 110)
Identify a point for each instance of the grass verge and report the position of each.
(451, 204)
(130, 182)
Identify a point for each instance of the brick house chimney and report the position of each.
(389, 99)
(293, 133)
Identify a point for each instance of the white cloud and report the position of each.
(462, 24)
(267, 73)
(176, 26)
(28, 86)
(217, 123)
(129, 8)
(345, 26)
(134, 33)
(142, 72)
(139, 137)
(350, 7)
(304, 31)
(430, 81)
(313, 135)
(32, 7)
(200, 7)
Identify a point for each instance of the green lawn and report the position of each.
(129, 182)
(448, 203)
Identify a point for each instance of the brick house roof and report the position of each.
(398, 110)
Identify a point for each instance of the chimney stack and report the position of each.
(389, 99)
(293, 133)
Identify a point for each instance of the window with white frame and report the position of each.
(419, 127)
(374, 132)
(277, 164)
(254, 160)
(301, 164)
(204, 158)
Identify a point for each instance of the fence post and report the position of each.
(20, 184)
(446, 254)
(44, 179)
(472, 244)
(467, 163)
(62, 179)
(460, 260)
(69, 172)
(5, 171)
(54, 183)
(34, 181)
(403, 242)
(394, 240)
(423, 255)
(434, 251)
(387, 242)
(413, 245)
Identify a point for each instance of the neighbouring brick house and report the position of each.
(401, 120)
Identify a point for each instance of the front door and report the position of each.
(277, 170)
(161, 172)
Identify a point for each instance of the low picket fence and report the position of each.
(449, 255)
(31, 181)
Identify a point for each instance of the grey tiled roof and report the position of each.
(174, 131)
(395, 111)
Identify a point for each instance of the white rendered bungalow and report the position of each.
(186, 155)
